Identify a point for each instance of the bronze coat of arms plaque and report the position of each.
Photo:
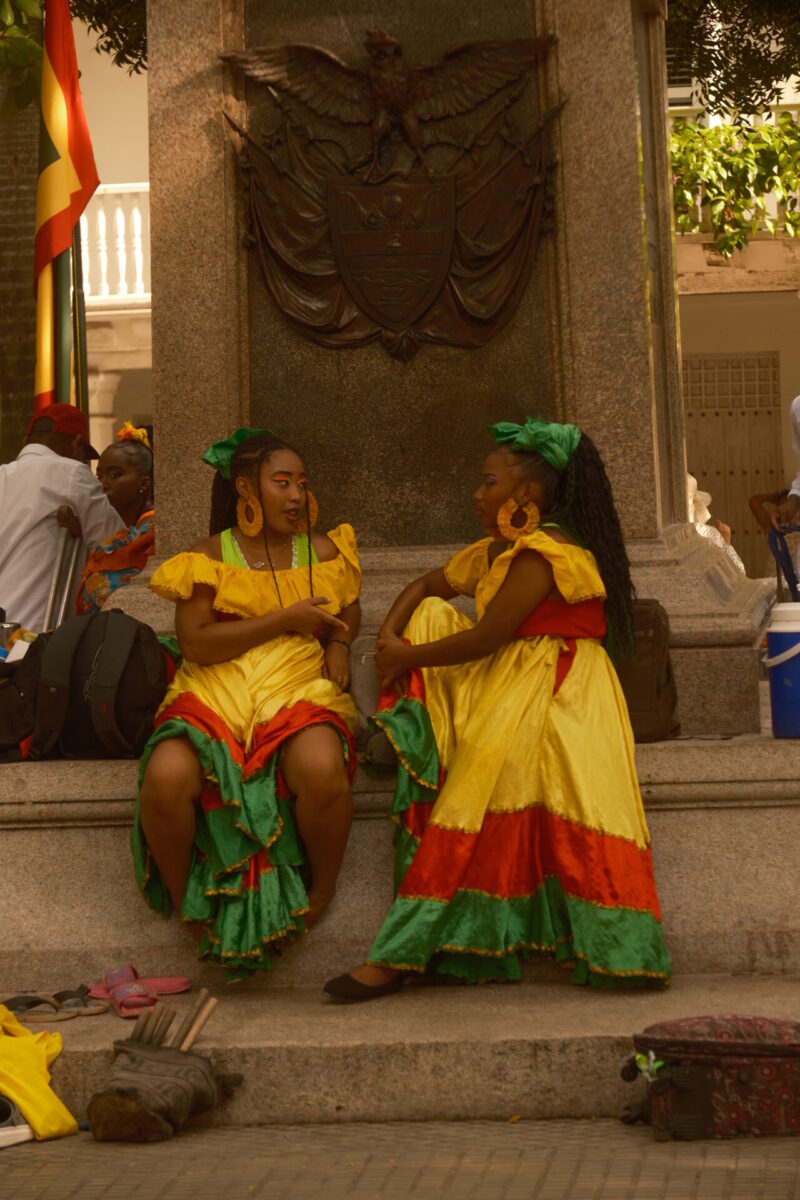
(396, 203)
(393, 243)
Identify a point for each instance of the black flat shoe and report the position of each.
(348, 990)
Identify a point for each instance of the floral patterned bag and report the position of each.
(719, 1077)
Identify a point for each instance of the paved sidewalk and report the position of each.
(529, 1160)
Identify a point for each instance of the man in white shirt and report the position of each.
(788, 511)
(50, 471)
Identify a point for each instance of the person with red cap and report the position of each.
(50, 471)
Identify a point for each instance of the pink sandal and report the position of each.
(165, 985)
(129, 999)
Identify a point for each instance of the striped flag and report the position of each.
(67, 179)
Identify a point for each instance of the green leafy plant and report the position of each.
(722, 177)
(121, 26)
(20, 53)
(739, 52)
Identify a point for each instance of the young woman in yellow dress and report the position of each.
(245, 802)
(521, 826)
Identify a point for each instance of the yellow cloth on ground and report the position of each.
(506, 742)
(25, 1058)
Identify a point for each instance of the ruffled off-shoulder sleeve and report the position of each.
(465, 569)
(176, 578)
(574, 569)
(245, 593)
(348, 582)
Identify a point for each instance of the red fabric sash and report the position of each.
(555, 617)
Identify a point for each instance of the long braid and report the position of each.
(585, 506)
(580, 500)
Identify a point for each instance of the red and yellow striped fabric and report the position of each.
(67, 179)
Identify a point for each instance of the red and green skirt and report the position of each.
(528, 883)
(248, 878)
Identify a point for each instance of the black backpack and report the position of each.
(646, 675)
(90, 689)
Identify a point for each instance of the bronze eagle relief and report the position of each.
(392, 202)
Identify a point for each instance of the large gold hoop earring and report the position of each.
(252, 524)
(313, 512)
(505, 519)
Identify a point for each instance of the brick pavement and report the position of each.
(529, 1160)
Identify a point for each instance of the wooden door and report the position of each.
(733, 448)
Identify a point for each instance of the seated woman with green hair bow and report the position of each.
(521, 826)
(245, 802)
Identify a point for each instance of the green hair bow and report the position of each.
(556, 443)
(220, 454)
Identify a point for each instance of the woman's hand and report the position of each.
(67, 520)
(337, 664)
(306, 616)
(391, 659)
(787, 512)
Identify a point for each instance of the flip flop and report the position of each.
(165, 985)
(79, 1002)
(38, 1008)
(129, 999)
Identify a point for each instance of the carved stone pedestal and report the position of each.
(716, 616)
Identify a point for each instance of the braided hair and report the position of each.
(247, 460)
(580, 500)
(139, 453)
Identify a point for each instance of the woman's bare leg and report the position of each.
(171, 788)
(314, 770)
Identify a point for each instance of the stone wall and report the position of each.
(395, 447)
(19, 160)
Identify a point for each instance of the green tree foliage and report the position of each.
(730, 170)
(120, 25)
(122, 29)
(20, 54)
(739, 51)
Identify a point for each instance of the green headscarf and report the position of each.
(220, 454)
(556, 443)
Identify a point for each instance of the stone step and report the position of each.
(540, 1049)
(724, 817)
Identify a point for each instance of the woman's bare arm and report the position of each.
(529, 581)
(206, 639)
(433, 584)
(337, 655)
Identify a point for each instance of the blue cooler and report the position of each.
(783, 660)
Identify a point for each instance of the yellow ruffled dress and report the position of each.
(247, 884)
(522, 830)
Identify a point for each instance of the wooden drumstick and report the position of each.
(140, 1029)
(157, 1027)
(164, 1027)
(185, 1025)
(198, 1023)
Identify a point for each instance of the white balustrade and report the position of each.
(102, 248)
(121, 278)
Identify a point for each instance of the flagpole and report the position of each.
(67, 179)
(79, 324)
(63, 327)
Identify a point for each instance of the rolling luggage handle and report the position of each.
(61, 588)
